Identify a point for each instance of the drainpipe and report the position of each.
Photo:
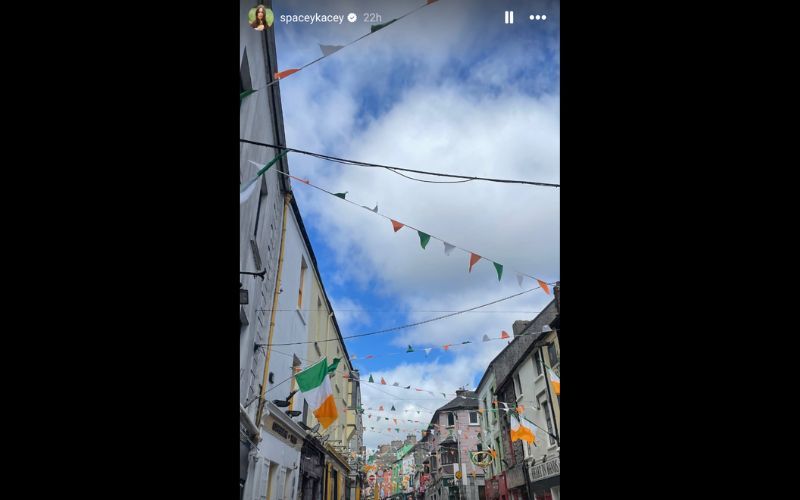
(286, 200)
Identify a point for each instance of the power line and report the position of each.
(399, 311)
(345, 161)
(410, 324)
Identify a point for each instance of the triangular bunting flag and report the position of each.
(409, 387)
(473, 259)
(396, 225)
(499, 268)
(383, 382)
(448, 248)
(446, 346)
(375, 209)
(380, 408)
(410, 349)
(418, 389)
(329, 49)
(430, 2)
(486, 338)
(467, 342)
(246, 93)
(544, 286)
(424, 238)
(371, 380)
(341, 195)
(504, 335)
(395, 421)
(519, 279)
(396, 384)
(369, 356)
(285, 73)
(376, 27)
(427, 350)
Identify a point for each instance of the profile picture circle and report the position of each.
(260, 18)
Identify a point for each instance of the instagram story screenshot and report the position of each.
(399, 249)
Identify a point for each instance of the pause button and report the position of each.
(509, 17)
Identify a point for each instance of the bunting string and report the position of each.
(329, 50)
(396, 225)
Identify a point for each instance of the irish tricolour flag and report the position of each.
(316, 388)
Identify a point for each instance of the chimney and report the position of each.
(519, 326)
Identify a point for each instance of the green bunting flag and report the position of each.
(341, 195)
(424, 238)
(393, 408)
(376, 27)
(410, 349)
(371, 380)
(246, 93)
(499, 268)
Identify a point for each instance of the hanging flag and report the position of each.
(395, 421)
(341, 195)
(555, 381)
(466, 342)
(521, 430)
(486, 338)
(398, 430)
(418, 389)
(544, 286)
(446, 346)
(383, 382)
(396, 225)
(396, 384)
(285, 73)
(504, 335)
(381, 408)
(499, 268)
(333, 366)
(444, 395)
(246, 93)
(448, 248)
(248, 191)
(520, 409)
(424, 238)
(376, 27)
(371, 380)
(480, 410)
(519, 279)
(473, 259)
(375, 209)
(316, 388)
(430, 2)
(329, 49)
(427, 350)
(409, 387)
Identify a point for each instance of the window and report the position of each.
(303, 267)
(451, 419)
(517, 386)
(473, 418)
(305, 412)
(546, 409)
(537, 360)
(551, 350)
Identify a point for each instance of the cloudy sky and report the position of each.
(450, 88)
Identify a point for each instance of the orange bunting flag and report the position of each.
(446, 346)
(480, 410)
(520, 409)
(285, 73)
(381, 408)
(555, 381)
(504, 335)
(473, 259)
(396, 225)
(383, 382)
(520, 429)
(544, 286)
